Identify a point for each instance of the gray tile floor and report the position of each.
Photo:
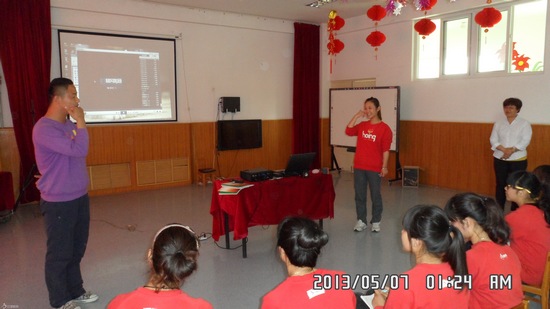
(115, 259)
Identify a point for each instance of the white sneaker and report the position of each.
(70, 305)
(87, 297)
(375, 227)
(360, 226)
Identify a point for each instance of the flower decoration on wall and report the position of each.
(334, 45)
(520, 62)
(376, 38)
(488, 17)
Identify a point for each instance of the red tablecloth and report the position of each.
(270, 201)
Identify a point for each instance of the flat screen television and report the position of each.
(239, 134)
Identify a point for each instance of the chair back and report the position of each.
(544, 290)
(523, 305)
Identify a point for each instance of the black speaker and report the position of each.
(230, 104)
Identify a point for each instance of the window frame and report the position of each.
(473, 44)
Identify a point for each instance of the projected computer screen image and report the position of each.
(121, 78)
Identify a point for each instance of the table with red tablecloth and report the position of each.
(268, 202)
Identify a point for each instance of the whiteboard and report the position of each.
(345, 102)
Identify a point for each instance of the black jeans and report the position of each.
(504, 168)
(67, 227)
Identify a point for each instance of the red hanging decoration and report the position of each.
(425, 5)
(424, 27)
(334, 45)
(375, 39)
(488, 17)
(338, 23)
(376, 12)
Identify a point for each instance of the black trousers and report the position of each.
(67, 226)
(504, 168)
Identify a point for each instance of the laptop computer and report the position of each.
(299, 163)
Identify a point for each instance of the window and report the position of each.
(460, 47)
(455, 46)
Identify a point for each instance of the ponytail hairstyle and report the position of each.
(302, 240)
(526, 181)
(483, 210)
(376, 103)
(430, 224)
(173, 256)
(542, 172)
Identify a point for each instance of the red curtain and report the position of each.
(305, 108)
(25, 52)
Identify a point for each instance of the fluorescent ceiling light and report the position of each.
(319, 3)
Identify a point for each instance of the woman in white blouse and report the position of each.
(509, 140)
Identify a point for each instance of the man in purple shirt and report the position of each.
(61, 148)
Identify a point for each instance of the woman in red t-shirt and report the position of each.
(490, 260)
(530, 225)
(440, 277)
(173, 258)
(374, 138)
(299, 243)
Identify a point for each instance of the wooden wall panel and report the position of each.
(9, 157)
(326, 152)
(450, 155)
(203, 140)
(276, 148)
(539, 149)
(458, 155)
(132, 143)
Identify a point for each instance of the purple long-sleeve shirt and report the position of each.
(60, 150)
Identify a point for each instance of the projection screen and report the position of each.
(121, 78)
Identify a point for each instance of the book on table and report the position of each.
(233, 188)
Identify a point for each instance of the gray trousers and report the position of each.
(363, 179)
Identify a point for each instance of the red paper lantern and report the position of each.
(376, 12)
(339, 22)
(335, 46)
(336, 23)
(427, 5)
(424, 27)
(488, 17)
(376, 38)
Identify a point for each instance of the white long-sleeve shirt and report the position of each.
(516, 134)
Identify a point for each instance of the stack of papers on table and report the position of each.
(233, 188)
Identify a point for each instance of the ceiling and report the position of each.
(295, 10)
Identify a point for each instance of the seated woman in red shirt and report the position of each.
(529, 224)
(299, 243)
(490, 259)
(173, 258)
(440, 277)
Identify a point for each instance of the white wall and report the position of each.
(454, 100)
(218, 54)
(224, 54)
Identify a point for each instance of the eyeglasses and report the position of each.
(517, 188)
